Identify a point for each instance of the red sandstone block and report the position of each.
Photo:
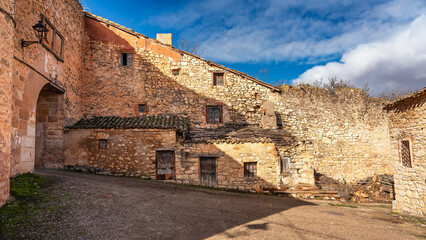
(22, 125)
(52, 119)
(24, 114)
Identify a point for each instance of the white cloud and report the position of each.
(237, 31)
(398, 62)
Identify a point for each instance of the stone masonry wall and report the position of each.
(133, 153)
(129, 152)
(116, 90)
(7, 30)
(407, 122)
(230, 164)
(344, 134)
(35, 66)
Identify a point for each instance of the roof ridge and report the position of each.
(404, 98)
(211, 63)
(145, 122)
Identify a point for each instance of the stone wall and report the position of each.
(129, 152)
(7, 29)
(116, 90)
(35, 66)
(407, 122)
(133, 153)
(230, 164)
(343, 133)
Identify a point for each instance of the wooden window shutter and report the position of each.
(218, 79)
(214, 114)
(129, 59)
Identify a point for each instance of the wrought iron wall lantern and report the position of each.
(40, 31)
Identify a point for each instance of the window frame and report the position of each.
(220, 107)
(60, 55)
(247, 171)
(401, 145)
(136, 109)
(144, 108)
(127, 59)
(103, 144)
(214, 81)
(174, 71)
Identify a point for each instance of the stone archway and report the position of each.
(49, 139)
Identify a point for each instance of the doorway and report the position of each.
(165, 166)
(49, 139)
(208, 171)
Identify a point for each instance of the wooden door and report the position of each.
(208, 171)
(165, 165)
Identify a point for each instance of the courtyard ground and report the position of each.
(71, 205)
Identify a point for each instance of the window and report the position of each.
(54, 41)
(126, 59)
(214, 114)
(405, 148)
(103, 144)
(285, 164)
(142, 108)
(218, 79)
(175, 72)
(250, 169)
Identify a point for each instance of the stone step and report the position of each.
(306, 194)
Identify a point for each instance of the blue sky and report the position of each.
(381, 42)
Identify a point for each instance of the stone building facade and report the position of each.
(337, 134)
(239, 132)
(7, 26)
(407, 117)
(54, 66)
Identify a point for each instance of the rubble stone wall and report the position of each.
(7, 29)
(116, 90)
(133, 153)
(230, 164)
(129, 152)
(407, 122)
(35, 66)
(344, 135)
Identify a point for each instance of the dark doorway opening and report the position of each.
(165, 165)
(49, 141)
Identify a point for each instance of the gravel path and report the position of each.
(103, 207)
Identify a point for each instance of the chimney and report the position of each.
(165, 38)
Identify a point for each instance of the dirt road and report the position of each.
(106, 207)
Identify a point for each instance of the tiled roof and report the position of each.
(405, 99)
(241, 134)
(152, 122)
(235, 140)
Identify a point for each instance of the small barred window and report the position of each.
(103, 144)
(405, 153)
(250, 169)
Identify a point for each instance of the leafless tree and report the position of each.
(395, 94)
(187, 46)
(262, 74)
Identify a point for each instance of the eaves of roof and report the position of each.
(405, 99)
(211, 63)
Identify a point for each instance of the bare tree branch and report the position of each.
(187, 46)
